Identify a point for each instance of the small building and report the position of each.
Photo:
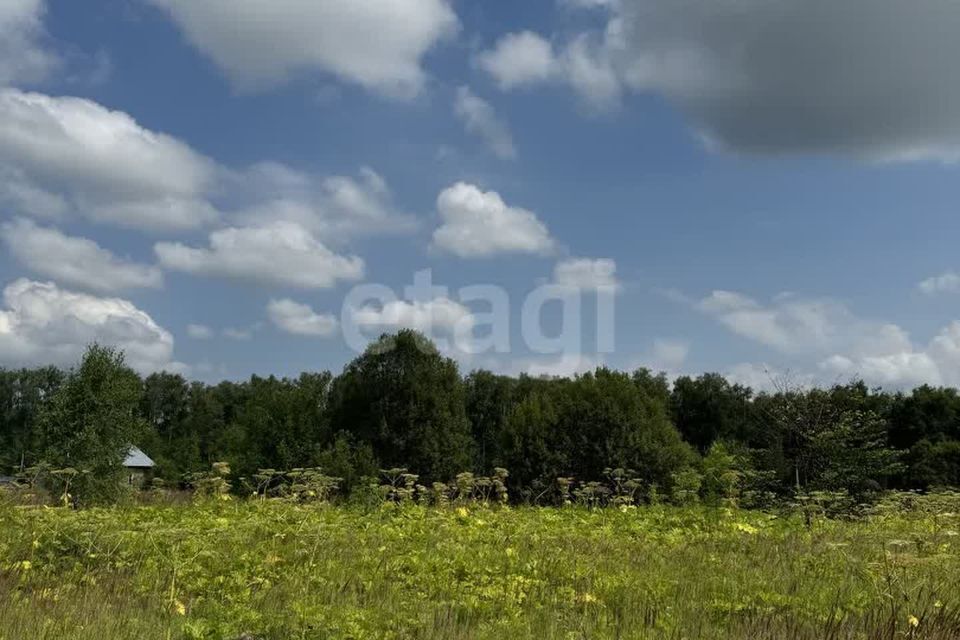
(139, 467)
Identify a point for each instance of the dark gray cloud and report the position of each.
(872, 78)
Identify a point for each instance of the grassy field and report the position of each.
(272, 570)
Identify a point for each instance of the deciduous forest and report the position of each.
(401, 405)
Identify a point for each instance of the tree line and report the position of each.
(401, 404)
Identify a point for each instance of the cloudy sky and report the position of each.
(761, 185)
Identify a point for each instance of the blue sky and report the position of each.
(765, 186)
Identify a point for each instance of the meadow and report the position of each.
(272, 570)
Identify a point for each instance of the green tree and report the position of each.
(850, 453)
(609, 421)
(407, 401)
(489, 400)
(91, 421)
(164, 406)
(22, 394)
(584, 426)
(530, 446)
(709, 408)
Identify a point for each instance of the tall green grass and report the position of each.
(273, 570)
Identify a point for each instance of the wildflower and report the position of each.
(462, 512)
(180, 609)
(914, 621)
(26, 565)
(938, 605)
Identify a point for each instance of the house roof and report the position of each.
(137, 459)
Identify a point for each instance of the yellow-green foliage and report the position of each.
(281, 570)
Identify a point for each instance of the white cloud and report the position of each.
(299, 319)
(590, 4)
(199, 331)
(481, 120)
(527, 59)
(63, 157)
(241, 335)
(281, 254)
(794, 325)
(24, 58)
(827, 335)
(589, 70)
(668, 355)
(332, 207)
(378, 44)
(18, 193)
(585, 274)
(948, 282)
(936, 363)
(904, 369)
(761, 376)
(75, 261)
(560, 365)
(438, 314)
(520, 59)
(566, 365)
(478, 224)
(70, 154)
(945, 351)
(42, 324)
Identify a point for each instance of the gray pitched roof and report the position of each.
(137, 459)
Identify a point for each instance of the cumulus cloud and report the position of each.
(793, 324)
(668, 355)
(60, 155)
(948, 282)
(520, 59)
(377, 44)
(63, 157)
(241, 335)
(584, 274)
(299, 319)
(868, 79)
(528, 59)
(904, 369)
(280, 254)
(74, 261)
(480, 119)
(199, 331)
(838, 343)
(567, 365)
(440, 313)
(761, 376)
(937, 362)
(479, 224)
(41, 324)
(24, 56)
(330, 206)
(590, 4)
